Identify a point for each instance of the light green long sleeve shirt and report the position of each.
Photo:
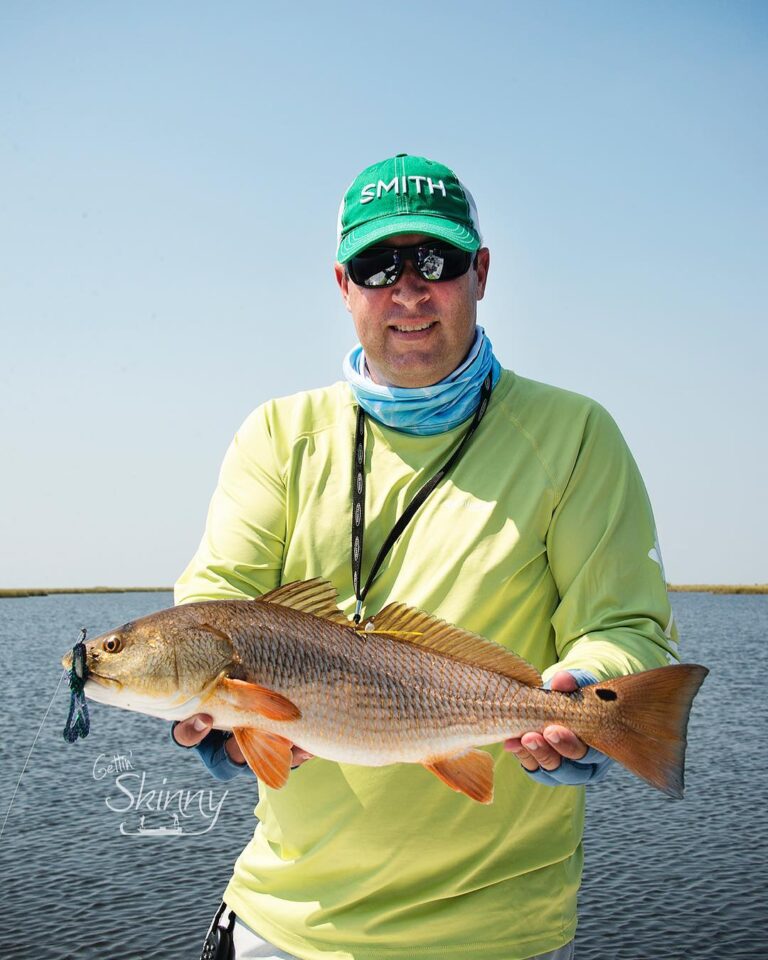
(542, 539)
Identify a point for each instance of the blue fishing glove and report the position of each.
(213, 752)
(592, 767)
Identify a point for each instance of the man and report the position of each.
(539, 537)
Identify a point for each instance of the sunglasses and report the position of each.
(383, 266)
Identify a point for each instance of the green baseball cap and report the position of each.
(406, 194)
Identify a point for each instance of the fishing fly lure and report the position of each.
(78, 722)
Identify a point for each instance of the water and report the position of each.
(663, 879)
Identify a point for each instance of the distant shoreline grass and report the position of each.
(717, 588)
(45, 591)
(672, 587)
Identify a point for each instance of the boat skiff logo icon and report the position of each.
(155, 811)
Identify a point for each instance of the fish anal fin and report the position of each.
(405, 623)
(267, 754)
(469, 773)
(250, 696)
(318, 597)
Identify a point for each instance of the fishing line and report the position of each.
(78, 723)
(63, 675)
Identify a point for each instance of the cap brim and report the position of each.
(459, 234)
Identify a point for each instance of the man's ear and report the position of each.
(343, 281)
(483, 264)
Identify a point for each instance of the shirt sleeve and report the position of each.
(241, 552)
(614, 615)
(212, 751)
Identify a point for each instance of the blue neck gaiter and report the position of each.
(424, 411)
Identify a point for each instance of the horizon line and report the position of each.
(20, 592)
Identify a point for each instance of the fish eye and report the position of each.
(112, 644)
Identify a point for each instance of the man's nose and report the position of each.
(411, 289)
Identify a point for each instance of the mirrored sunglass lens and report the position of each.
(381, 279)
(442, 263)
(375, 268)
(432, 265)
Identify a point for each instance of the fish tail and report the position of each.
(647, 722)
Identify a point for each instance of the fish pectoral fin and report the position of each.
(267, 754)
(469, 773)
(250, 696)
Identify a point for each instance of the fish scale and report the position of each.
(405, 688)
(403, 703)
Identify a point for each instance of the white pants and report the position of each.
(249, 945)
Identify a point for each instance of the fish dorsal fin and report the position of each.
(409, 625)
(318, 597)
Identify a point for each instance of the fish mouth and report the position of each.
(100, 678)
(103, 680)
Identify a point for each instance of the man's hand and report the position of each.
(547, 749)
(192, 731)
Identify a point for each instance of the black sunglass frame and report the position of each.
(401, 255)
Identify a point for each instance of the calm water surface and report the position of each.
(663, 880)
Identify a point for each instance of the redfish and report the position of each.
(404, 687)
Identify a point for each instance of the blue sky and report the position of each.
(170, 175)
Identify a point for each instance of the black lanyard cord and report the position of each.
(358, 496)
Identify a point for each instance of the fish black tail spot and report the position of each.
(606, 694)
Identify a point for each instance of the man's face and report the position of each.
(416, 332)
